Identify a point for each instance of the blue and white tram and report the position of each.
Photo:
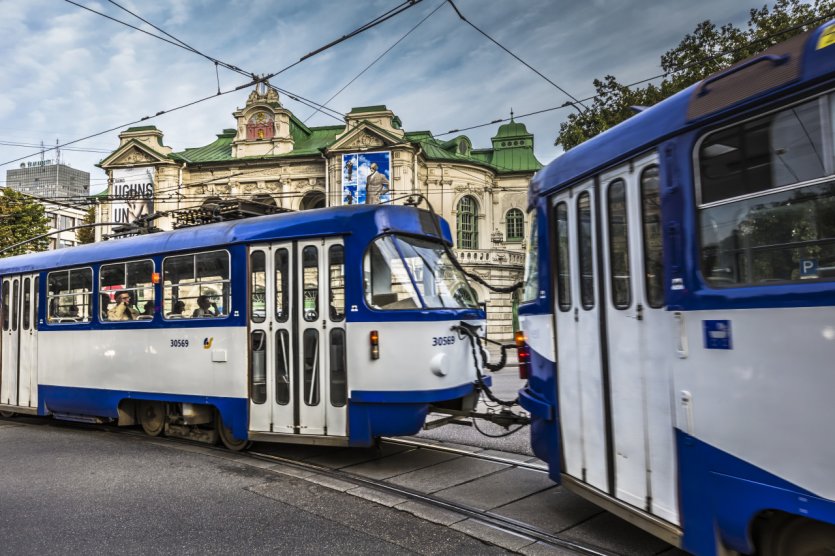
(329, 326)
(678, 310)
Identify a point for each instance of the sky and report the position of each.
(68, 73)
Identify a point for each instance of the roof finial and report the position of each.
(511, 114)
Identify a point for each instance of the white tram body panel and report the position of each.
(191, 361)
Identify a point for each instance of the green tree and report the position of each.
(706, 50)
(21, 218)
(87, 235)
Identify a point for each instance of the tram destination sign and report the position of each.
(132, 193)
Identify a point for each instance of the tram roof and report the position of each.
(360, 220)
(806, 59)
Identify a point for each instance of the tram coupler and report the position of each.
(504, 418)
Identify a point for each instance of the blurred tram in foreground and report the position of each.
(678, 310)
(329, 326)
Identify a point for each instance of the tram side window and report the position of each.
(258, 286)
(5, 304)
(651, 221)
(196, 285)
(776, 150)
(530, 292)
(282, 288)
(68, 295)
(563, 259)
(126, 291)
(336, 282)
(585, 251)
(768, 237)
(310, 279)
(619, 245)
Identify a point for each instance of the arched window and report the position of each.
(313, 200)
(514, 225)
(264, 199)
(467, 223)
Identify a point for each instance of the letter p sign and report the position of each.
(808, 268)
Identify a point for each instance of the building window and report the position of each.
(467, 223)
(515, 225)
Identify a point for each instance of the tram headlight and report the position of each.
(374, 338)
(524, 353)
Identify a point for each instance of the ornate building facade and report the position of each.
(272, 157)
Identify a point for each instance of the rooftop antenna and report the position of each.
(42, 152)
(57, 153)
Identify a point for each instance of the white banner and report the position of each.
(132, 193)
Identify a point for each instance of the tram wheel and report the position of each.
(794, 536)
(152, 417)
(226, 437)
(7, 414)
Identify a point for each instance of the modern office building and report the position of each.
(49, 179)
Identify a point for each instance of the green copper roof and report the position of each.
(502, 161)
(512, 129)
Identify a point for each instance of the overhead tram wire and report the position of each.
(527, 65)
(806, 23)
(377, 59)
(380, 19)
(176, 42)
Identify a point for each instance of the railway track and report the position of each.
(349, 469)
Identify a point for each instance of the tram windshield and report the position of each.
(410, 273)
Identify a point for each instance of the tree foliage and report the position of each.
(87, 235)
(705, 51)
(21, 218)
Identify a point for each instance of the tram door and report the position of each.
(19, 376)
(580, 374)
(639, 339)
(297, 338)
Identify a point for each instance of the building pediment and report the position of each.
(134, 153)
(365, 136)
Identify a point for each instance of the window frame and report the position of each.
(99, 291)
(651, 301)
(619, 304)
(563, 278)
(591, 254)
(826, 105)
(50, 296)
(517, 215)
(228, 312)
(472, 242)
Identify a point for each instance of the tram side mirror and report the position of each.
(483, 305)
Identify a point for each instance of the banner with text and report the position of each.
(132, 193)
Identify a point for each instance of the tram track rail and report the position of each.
(485, 517)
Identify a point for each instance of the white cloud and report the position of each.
(70, 73)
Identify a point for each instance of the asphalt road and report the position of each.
(65, 491)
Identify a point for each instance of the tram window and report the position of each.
(126, 291)
(196, 285)
(27, 303)
(778, 238)
(282, 367)
(258, 371)
(6, 319)
(339, 382)
(409, 273)
(619, 245)
(310, 279)
(336, 282)
(68, 295)
(776, 150)
(584, 233)
(282, 289)
(563, 259)
(530, 291)
(258, 286)
(37, 294)
(651, 222)
(310, 349)
(15, 302)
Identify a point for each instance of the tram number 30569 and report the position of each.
(443, 340)
(178, 343)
